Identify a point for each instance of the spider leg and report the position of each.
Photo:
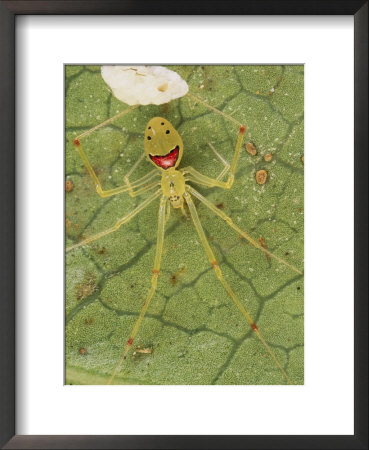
(229, 221)
(118, 224)
(167, 214)
(154, 282)
(106, 122)
(131, 191)
(145, 188)
(197, 177)
(218, 111)
(231, 293)
(110, 192)
(222, 160)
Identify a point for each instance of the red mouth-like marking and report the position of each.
(167, 160)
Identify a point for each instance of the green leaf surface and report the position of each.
(192, 332)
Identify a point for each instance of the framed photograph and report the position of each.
(186, 194)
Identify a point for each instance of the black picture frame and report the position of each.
(8, 12)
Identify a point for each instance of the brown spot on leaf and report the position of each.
(268, 157)
(102, 251)
(261, 176)
(68, 186)
(87, 287)
(250, 147)
(82, 351)
(174, 277)
(220, 205)
(89, 321)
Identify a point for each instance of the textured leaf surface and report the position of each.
(192, 333)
